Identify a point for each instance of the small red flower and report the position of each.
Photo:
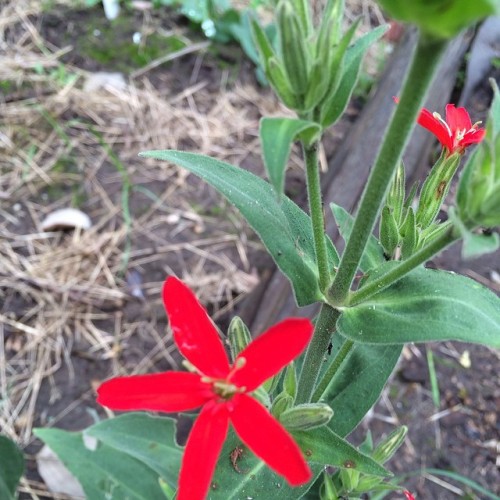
(408, 495)
(223, 391)
(456, 132)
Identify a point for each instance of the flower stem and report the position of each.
(332, 370)
(316, 211)
(405, 266)
(418, 80)
(325, 326)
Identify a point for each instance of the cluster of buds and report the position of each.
(312, 69)
(478, 196)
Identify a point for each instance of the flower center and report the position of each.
(224, 388)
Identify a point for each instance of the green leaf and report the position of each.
(151, 440)
(441, 18)
(336, 103)
(248, 477)
(425, 306)
(373, 255)
(283, 227)
(357, 384)
(277, 136)
(325, 447)
(240, 474)
(11, 468)
(103, 471)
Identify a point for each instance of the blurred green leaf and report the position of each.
(11, 468)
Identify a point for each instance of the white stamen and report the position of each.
(437, 116)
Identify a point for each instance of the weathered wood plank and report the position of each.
(350, 166)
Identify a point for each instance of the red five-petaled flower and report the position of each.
(223, 391)
(456, 132)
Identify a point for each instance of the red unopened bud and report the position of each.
(408, 495)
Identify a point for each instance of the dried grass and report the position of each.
(65, 293)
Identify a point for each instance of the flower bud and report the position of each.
(239, 336)
(306, 416)
(349, 479)
(478, 196)
(387, 447)
(290, 380)
(435, 188)
(294, 52)
(389, 232)
(328, 491)
(281, 403)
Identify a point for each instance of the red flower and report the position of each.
(223, 391)
(456, 132)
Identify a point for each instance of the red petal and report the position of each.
(269, 440)
(202, 451)
(167, 392)
(435, 126)
(194, 333)
(273, 350)
(473, 137)
(457, 118)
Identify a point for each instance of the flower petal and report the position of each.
(202, 451)
(269, 440)
(272, 351)
(427, 120)
(457, 118)
(473, 137)
(194, 333)
(167, 392)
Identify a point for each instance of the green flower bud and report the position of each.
(280, 83)
(409, 236)
(239, 336)
(368, 483)
(478, 196)
(435, 189)
(294, 52)
(440, 18)
(349, 479)
(327, 490)
(290, 380)
(282, 402)
(306, 416)
(387, 447)
(389, 232)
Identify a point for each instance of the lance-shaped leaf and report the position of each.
(11, 468)
(103, 471)
(335, 105)
(283, 227)
(425, 306)
(277, 136)
(150, 440)
(358, 382)
(240, 474)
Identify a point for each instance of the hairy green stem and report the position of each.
(325, 326)
(404, 267)
(316, 211)
(418, 80)
(332, 370)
